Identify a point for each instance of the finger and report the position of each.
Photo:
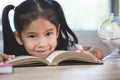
(86, 47)
(8, 57)
(1, 59)
(95, 58)
(97, 52)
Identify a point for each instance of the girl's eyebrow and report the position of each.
(49, 30)
(30, 33)
(36, 33)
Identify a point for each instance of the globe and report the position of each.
(109, 34)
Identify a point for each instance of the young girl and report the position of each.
(41, 28)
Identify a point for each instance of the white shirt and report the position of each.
(75, 47)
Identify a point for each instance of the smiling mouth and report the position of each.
(42, 51)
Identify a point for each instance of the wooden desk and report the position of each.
(107, 71)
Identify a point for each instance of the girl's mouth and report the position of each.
(43, 51)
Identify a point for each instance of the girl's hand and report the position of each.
(94, 57)
(95, 51)
(5, 57)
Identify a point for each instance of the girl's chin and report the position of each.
(41, 55)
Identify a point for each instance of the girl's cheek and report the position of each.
(53, 43)
(29, 46)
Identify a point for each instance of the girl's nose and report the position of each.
(42, 42)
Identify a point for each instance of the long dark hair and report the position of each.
(50, 10)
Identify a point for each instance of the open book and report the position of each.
(55, 58)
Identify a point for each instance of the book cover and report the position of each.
(6, 68)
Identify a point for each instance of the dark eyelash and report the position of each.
(49, 33)
(31, 36)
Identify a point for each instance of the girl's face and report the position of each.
(39, 38)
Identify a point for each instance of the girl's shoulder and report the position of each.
(75, 47)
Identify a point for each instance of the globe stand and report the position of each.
(113, 56)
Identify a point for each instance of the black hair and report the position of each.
(50, 10)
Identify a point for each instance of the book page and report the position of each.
(22, 61)
(20, 58)
(53, 55)
(59, 56)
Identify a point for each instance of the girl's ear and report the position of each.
(58, 30)
(17, 37)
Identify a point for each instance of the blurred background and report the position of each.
(83, 16)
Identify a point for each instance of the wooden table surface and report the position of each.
(110, 70)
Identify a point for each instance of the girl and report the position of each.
(41, 28)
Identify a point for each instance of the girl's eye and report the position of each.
(31, 36)
(49, 34)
